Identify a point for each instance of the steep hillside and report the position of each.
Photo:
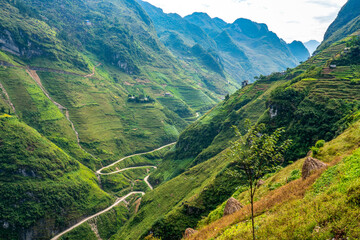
(348, 12)
(87, 82)
(319, 207)
(244, 48)
(312, 102)
(346, 23)
(312, 88)
(107, 81)
(43, 189)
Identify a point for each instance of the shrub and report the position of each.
(320, 143)
(295, 174)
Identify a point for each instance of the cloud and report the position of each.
(324, 3)
(327, 18)
(293, 22)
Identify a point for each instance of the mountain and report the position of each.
(123, 60)
(212, 26)
(311, 102)
(348, 12)
(244, 48)
(346, 23)
(311, 46)
(299, 50)
(42, 187)
(304, 101)
(85, 83)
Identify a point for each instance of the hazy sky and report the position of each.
(289, 19)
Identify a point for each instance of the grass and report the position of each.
(43, 181)
(279, 209)
(168, 198)
(126, 130)
(40, 113)
(127, 181)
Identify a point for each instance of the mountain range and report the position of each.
(116, 120)
(242, 48)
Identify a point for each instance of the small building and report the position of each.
(333, 66)
(244, 83)
(168, 94)
(88, 23)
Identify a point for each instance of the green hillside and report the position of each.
(321, 207)
(312, 102)
(43, 189)
(346, 23)
(121, 59)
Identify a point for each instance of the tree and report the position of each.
(255, 154)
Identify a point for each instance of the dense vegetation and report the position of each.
(312, 102)
(318, 208)
(42, 188)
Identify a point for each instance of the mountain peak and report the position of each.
(299, 50)
(250, 28)
(200, 14)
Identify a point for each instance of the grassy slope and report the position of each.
(314, 105)
(133, 62)
(320, 209)
(40, 113)
(314, 85)
(211, 134)
(48, 188)
(312, 90)
(325, 92)
(169, 198)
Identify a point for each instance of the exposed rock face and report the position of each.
(189, 232)
(232, 206)
(310, 166)
(9, 44)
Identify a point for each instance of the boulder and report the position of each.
(311, 165)
(189, 232)
(232, 205)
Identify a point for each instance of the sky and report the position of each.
(302, 20)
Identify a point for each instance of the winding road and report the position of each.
(97, 214)
(32, 72)
(119, 200)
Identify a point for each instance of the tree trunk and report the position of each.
(252, 211)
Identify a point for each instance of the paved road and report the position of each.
(129, 168)
(120, 160)
(119, 200)
(147, 182)
(33, 74)
(97, 214)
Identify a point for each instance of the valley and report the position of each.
(116, 122)
(119, 200)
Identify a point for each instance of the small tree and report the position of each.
(256, 154)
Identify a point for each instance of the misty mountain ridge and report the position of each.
(312, 46)
(245, 48)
